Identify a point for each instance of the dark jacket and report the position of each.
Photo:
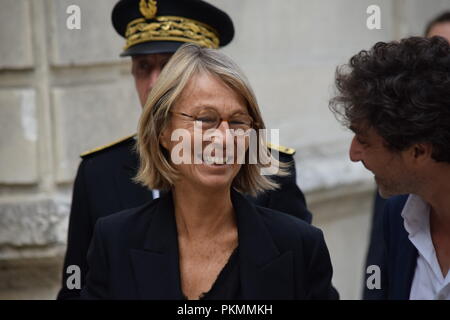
(376, 240)
(104, 185)
(397, 256)
(134, 255)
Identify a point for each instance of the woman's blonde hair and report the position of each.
(156, 170)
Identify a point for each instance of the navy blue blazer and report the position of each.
(398, 256)
(376, 239)
(134, 255)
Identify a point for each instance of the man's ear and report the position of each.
(421, 151)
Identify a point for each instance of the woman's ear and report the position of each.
(164, 139)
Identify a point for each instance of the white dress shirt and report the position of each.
(428, 283)
(155, 193)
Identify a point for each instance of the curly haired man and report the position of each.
(396, 99)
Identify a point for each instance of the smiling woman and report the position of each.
(203, 239)
(207, 84)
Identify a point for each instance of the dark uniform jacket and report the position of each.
(397, 258)
(104, 185)
(134, 255)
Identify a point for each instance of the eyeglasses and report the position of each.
(209, 118)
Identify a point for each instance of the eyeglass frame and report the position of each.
(193, 118)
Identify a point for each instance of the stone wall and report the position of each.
(66, 91)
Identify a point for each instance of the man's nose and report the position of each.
(355, 151)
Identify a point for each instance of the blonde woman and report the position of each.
(203, 239)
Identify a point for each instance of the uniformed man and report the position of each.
(153, 31)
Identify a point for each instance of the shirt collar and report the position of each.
(416, 220)
(416, 215)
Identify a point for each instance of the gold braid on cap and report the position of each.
(171, 28)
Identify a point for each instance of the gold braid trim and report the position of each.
(286, 150)
(171, 28)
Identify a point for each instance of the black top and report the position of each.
(227, 284)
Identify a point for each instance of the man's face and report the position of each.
(440, 29)
(145, 70)
(391, 169)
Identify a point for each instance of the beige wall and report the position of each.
(65, 91)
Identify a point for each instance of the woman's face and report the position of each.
(206, 93)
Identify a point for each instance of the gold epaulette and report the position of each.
(109, 145)
(286, 150)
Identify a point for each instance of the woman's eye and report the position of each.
(237, 122)
(206, 119)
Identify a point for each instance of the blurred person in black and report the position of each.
(153, 30)
(439, 26)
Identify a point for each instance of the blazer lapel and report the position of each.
(156, 265)
(405, 269)
(265, 273)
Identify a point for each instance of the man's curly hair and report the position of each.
(402, 90)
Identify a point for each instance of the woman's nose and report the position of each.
(223, 126)
(224, 130)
